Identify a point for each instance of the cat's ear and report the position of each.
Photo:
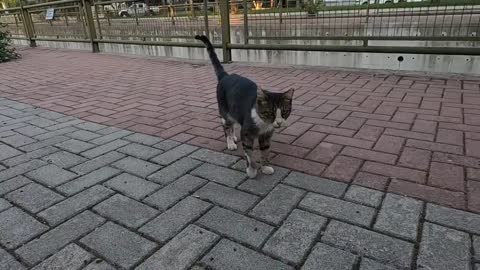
(289, 93)
(261, 92)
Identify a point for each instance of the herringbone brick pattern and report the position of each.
(415, 135)
(80, 195)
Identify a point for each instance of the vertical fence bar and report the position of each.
(225, 19)
(98, 21)
(28, 26)
(136, 15)
(66, 18)
(192, 11)
(365, 41)
(81, 18)
(108, 18)
(16, 21)
(87, 8)
(171, 12)
(280, 2)
(245, 21)
(205, 17)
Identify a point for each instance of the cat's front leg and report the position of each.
(247, 143)
(264, 143)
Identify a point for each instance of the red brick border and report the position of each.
(413, 135)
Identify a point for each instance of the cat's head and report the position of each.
(283, 106)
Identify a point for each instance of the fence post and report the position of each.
(245, 21)
(225, 19)
(98, 20)
(205, 17)
(92, 33)
(280, 2)
(365, 41)
(28, 26)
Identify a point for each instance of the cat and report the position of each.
(257, 111)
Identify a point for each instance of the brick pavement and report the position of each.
(414, 135)
(80, 195)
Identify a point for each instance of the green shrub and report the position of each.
(311, 7)
(7, 52)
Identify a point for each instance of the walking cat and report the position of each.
(241, 101)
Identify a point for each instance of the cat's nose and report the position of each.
(279, 122)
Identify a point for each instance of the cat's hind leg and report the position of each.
(228, 128)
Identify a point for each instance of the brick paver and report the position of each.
(341, 122)
(75, 193)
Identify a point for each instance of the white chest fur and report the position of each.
(262, 125)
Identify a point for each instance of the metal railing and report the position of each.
(423, 27)
(12, 19)
(69, 22)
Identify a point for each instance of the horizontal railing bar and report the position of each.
(156, 43)
(366, 49)
(357, 49)
(133, 42)
(386, 38)
(109, 2)
(287, 17)
(146, 36)
(411, 5)
(61, 39)
(40, 35)
(10, 9)
(160, 6)
(34, 10)
(52, 3)
(130, 42)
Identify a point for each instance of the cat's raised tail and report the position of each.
(213, 57)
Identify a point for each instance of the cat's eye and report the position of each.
(285, 112)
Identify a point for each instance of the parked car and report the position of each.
(140, 9)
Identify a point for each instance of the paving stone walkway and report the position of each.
(80, 195)
(119, 162)
(414, 135)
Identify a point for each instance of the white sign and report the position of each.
(50, 13)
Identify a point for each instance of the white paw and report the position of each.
(251, 172)
(232, 146)
(276, 124)
(267, 170)
(235, 138)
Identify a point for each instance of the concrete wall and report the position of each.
(411, 62)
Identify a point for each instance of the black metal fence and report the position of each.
(406, 27)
